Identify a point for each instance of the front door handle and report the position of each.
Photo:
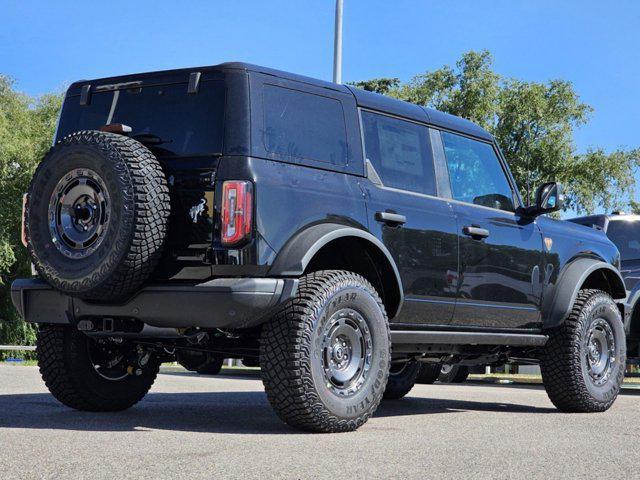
(391, 218)
(475, 232)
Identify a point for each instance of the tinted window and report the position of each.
(400, 152)
(626, 235)
(475, 172)
(177, 123)
(304, 125)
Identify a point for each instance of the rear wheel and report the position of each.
(325, 356)
(453, 373)
(584, 360)
(93, 375)
(428, 373)
(402, 378)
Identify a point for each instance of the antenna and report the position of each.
(337, 44)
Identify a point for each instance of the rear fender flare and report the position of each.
(295, 256)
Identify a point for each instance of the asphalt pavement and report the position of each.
(192, 426)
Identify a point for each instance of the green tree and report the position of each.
(383, 86)
(533, 123)
(26, 130)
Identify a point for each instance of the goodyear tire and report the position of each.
(453, 374)
(87, 375)
(96, 215)
(325, 356)
(428, 373)
(402, 378)
(584, 360)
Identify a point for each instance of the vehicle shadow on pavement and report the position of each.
(216, 412)
(420, 405)
(210, 412)
(626, 390)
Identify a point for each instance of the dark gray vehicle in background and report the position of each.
(336, 237)
(624, 231)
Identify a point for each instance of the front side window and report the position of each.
(303, 125)
(400, 152)
(476, 173)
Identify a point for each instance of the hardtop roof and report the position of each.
(365, 99)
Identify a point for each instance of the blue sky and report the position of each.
(45, 45)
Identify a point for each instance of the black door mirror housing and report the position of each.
(549, 198)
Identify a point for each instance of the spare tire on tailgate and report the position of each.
(96, 215)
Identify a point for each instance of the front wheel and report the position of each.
(584, 359)
(453, 373)
(325, 356)
(93, 375)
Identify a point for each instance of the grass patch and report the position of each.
(20, 363)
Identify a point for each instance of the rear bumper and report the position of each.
(219, 303)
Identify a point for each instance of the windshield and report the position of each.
(164, 117)
(626, 236)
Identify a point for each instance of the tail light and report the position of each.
(23, 231)
(237, 212)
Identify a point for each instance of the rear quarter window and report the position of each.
(304, 125)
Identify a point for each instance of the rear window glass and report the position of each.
(304, 125)
(400, 152)
(165, 116)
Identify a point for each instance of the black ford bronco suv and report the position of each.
(624, 231)
(336, 237)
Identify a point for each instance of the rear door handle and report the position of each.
(475, 232)
(391, 218)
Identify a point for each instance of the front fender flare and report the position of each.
(557, 305)
(295, 256)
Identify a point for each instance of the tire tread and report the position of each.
(560, 362)
(285, 351)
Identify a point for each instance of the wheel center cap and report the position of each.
(84, 212)
(340, 351)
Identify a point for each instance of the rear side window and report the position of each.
(166, 116)
(304, 125)
(476, 173)
(400, 152)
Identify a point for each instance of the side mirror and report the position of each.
(549, 198)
